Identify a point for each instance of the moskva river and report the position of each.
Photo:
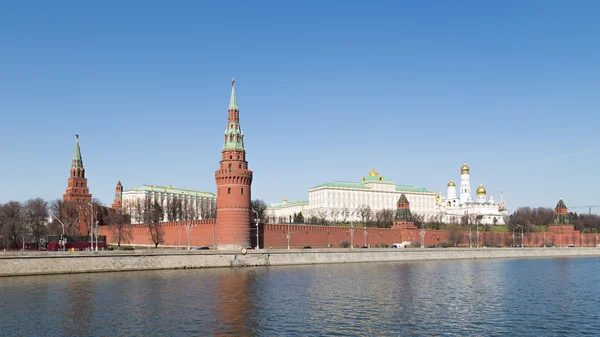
(521, 297)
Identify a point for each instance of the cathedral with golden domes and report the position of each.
(482, 210)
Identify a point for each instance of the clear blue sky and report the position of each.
(326, 92)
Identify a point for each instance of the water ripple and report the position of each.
(528, 297)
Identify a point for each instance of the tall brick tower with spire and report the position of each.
(118, 202)
(77, 189)
(232, 228)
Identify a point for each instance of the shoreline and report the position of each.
(54, 263)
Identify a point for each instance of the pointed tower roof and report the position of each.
(77, 159)
(561, 214)
(233, 101)
(402, 213)
(119, 183)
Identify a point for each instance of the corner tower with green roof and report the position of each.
(77, 190)
(233, 225)
(561, 214)
(403, 218)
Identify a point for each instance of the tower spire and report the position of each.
(77, 160)
(233, 101)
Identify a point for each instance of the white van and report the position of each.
(401, 245)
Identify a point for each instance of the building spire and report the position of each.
(233, 101)
(77, 160)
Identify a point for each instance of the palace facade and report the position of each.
(340, 201)
(195, 205)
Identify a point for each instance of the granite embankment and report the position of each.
(46, 263)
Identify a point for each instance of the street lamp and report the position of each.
(470, 235)
(257, 223)
(351, 235)
(596, 236)
(422, 235)
(365, 232)
(61, 241)
(91, 225)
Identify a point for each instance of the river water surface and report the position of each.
(521, 297)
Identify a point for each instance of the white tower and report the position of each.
(481, 193)
(451, 192)
(465, 184)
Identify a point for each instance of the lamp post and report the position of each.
(422, 235)
(257, 223)
(91, 226)
(287, 236)
(545, 239)
(596, 236)
(62, 237)
(97, 234)
(351, 235)
(365, 233)
(521, 234)
(470, 235)
(477, 231)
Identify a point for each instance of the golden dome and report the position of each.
(373, 173)
(451, 184)
(481, 189)
(464, 169)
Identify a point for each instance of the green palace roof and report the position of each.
(373, 177)
(172, 190)
(287, 204)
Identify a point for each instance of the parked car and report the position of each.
(202, 248)
(307, 247)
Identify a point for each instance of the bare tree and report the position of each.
(207, 209)
(384, 218)
(455, 236)
(152, 213)
(260, 207)
(11, 220)
(119, 227)
(322, 217)
(334, 216)
(365, 214)
(345, 214)
(68, 213)
(174, 209)
(35, 214)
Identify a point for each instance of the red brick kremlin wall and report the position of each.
(274, 236)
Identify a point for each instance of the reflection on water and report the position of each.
(536, 297)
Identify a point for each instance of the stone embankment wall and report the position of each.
(35, 263)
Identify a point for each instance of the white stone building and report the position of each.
(284, 211)
(339, 201)
(482, 210)
(196, 205)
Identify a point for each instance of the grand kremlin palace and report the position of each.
(339, 201)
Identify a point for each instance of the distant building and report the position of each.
(340, 201)
(195, 204)
(285, 211)
(484, 211)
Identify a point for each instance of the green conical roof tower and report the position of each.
(77, 159)
(234, 137)
(561, 214)
(403, 210)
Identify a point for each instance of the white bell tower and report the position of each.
(465, 184)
